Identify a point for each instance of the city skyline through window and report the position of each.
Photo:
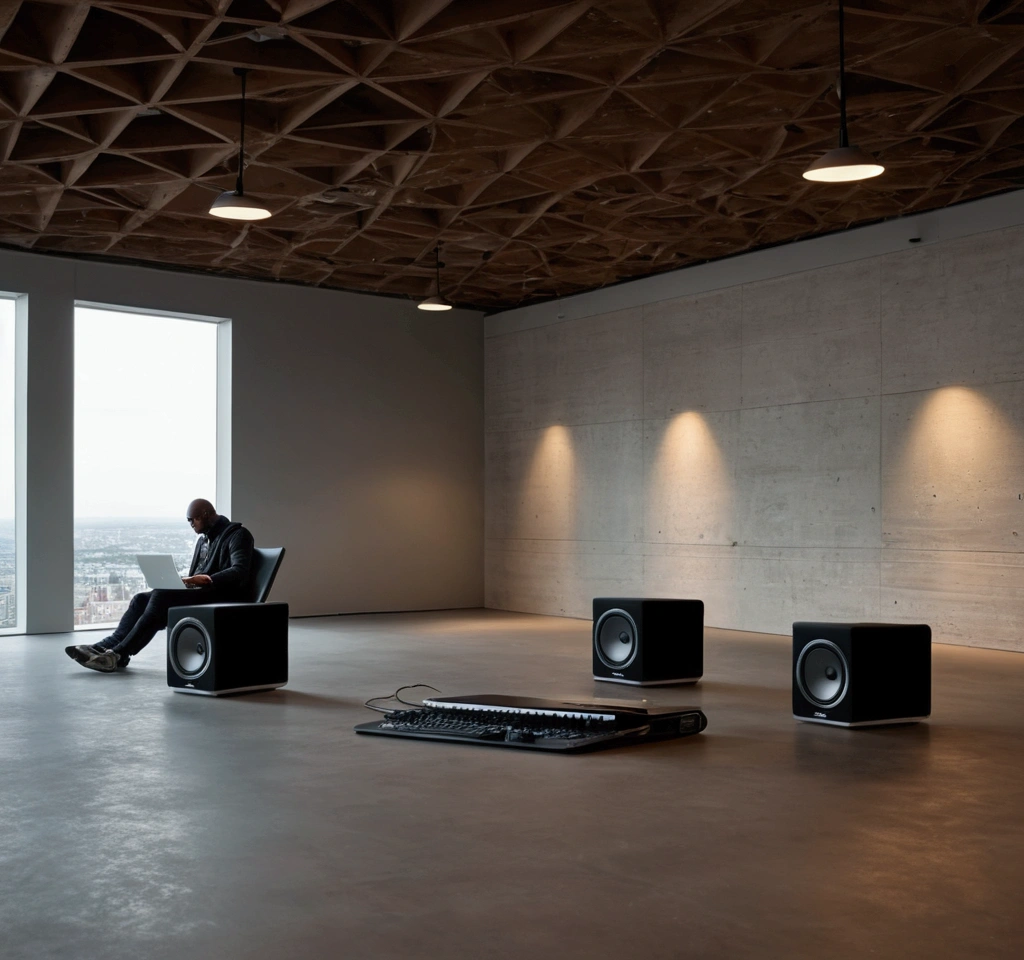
(145, 445)
(8, 554)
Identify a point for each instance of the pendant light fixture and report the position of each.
(437, 302)
(845, 163)
(234, 204)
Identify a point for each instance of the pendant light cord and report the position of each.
(437, 263)
(844, 140)
(241, 72)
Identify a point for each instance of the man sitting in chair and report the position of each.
(220, 573)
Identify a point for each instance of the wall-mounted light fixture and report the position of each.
(234, 204)
(845, 163)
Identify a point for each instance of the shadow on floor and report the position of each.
(285, 697)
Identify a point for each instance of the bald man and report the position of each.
(220, 573)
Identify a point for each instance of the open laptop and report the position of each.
(160, 572)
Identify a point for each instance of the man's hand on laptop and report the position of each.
(199, 580)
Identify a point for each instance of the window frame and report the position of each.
(20, 301)
(223, 393)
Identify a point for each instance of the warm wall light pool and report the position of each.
(234, 204)
(845, 163)
(436, 302)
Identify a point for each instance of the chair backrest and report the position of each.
(265, 563)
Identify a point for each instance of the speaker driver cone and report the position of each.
(822, 673)
(189, 648)
(615, 640)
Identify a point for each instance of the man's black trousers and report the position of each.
(147, 613)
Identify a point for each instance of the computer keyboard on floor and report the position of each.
(478, 725)
(538, 724)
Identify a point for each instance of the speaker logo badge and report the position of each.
(818, 713)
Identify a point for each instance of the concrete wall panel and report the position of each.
(566, 483)
(823, 366)
(690, 465)
(972, 598)
(581, 371)
(559, 578)
(954, 313)
(691, 353)
(953, 468)
(765, 590)
(809, 475)
(813, 336)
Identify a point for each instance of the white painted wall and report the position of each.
(828, 430)
(356, 434)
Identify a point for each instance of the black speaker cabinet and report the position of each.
(862, 674)
(225, 648)
(648, 642)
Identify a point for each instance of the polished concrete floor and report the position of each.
(139, 823)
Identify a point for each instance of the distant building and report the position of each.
(8, 607)
(106, 577)
(105, 611)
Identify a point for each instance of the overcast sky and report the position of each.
(145, 413)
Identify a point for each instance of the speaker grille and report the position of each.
(822, 673)
(188, 647)
(615, 639)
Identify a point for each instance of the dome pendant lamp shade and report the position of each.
(845, 163)
(234, 204)
(434, 303)
(437, 302)
(842, 164)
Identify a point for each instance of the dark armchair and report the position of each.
(266, 561)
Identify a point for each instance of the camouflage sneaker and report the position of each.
(105, 662)
(83, 651)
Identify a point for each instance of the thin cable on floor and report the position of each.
(369, 704)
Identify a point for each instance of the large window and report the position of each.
(145, 445)
(8, 554)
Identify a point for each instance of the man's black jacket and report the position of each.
(229, 559)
